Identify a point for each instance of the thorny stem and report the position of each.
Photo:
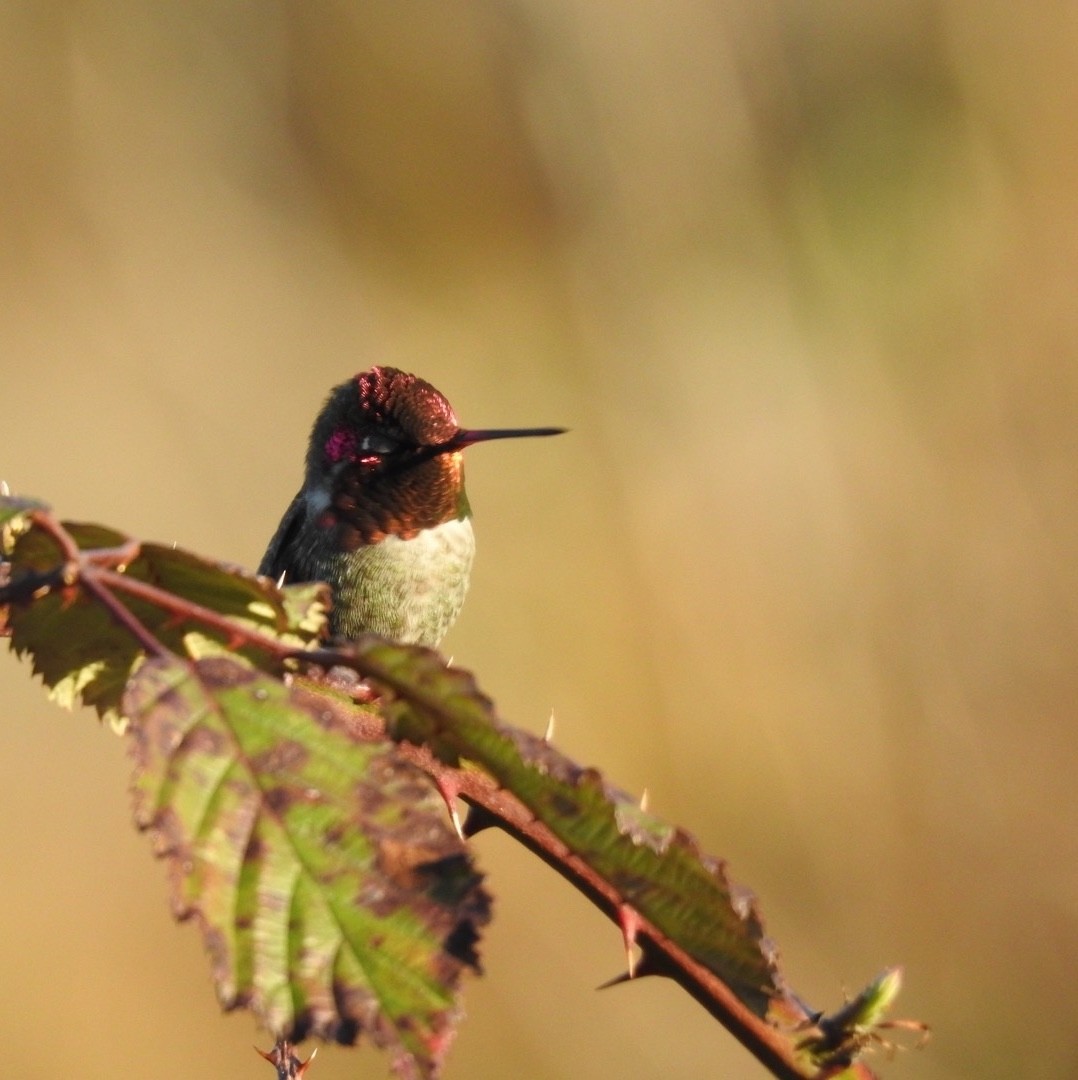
(661, 955)
(100, 571)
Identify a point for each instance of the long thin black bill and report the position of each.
(465, 438)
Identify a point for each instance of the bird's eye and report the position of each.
(377, 444)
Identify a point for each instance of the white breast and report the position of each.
(410, 590)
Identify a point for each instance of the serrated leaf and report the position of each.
(76, 648)
(297, 617)
(333, 896)
(659, 870)
(83, 654)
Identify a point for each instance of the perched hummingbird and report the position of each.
(382, 515)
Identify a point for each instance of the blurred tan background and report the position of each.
(801, 278)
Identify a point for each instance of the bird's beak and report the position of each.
(464, 438)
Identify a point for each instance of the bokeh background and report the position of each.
(801, 277)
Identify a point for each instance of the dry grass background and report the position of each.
(801, 277)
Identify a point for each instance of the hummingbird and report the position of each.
(382, 515)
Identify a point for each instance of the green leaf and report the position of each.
(304, 607)
(297, 616)
(657, 869)
(83, 654)
(333, 896)
(14, 519)
(13, 508)
(78, 651)
(835, 1039)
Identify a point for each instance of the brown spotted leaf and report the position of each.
(332, 893)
